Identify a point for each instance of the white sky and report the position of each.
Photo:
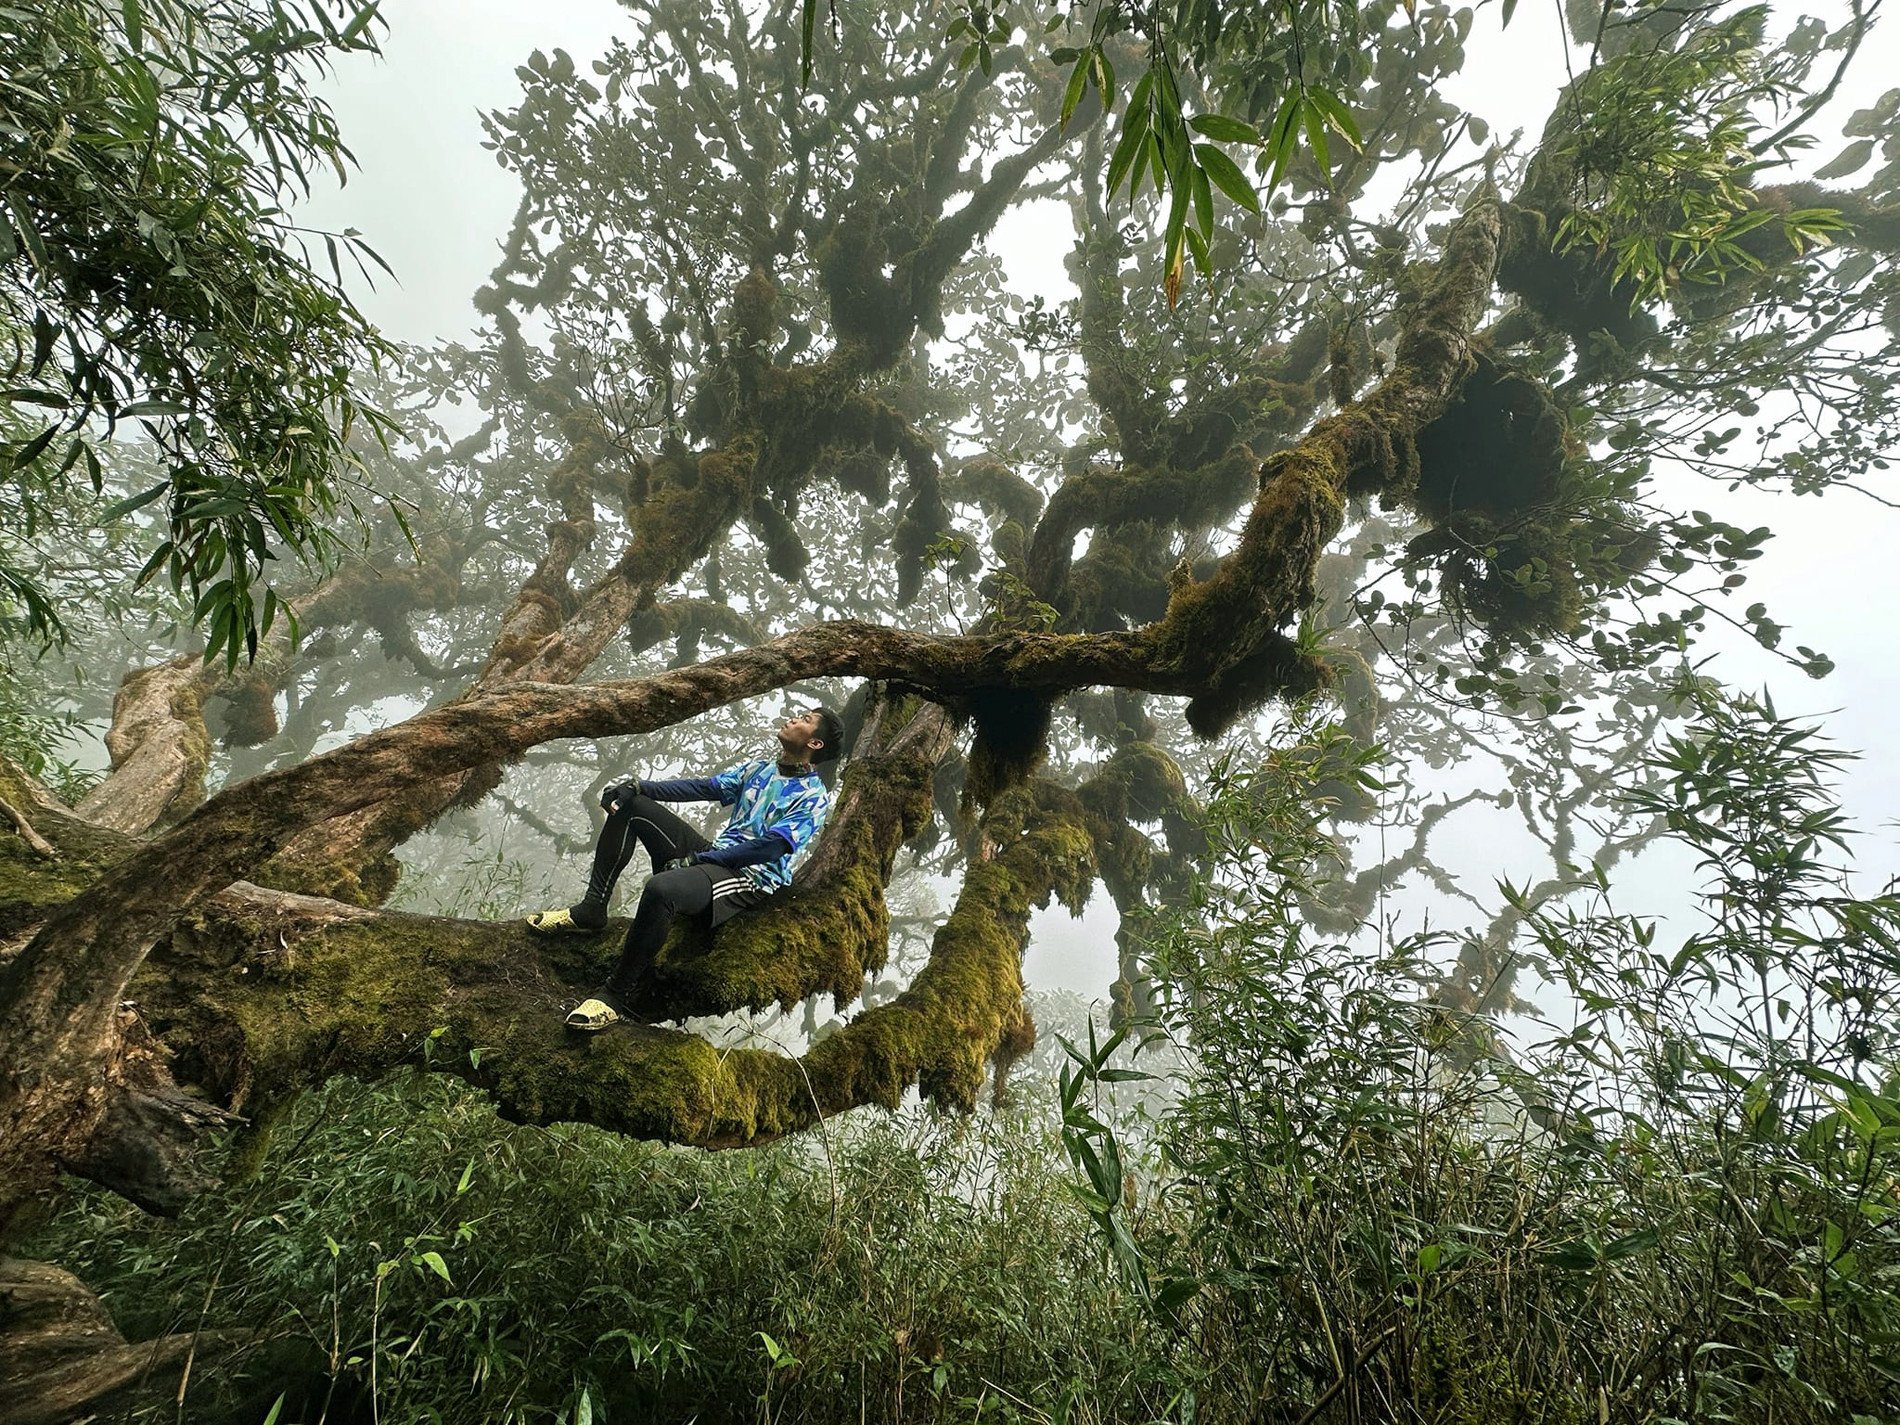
(436, 205)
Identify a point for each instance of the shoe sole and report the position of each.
(556, 930)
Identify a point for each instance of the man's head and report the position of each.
(813, 735)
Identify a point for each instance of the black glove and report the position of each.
(619, 792)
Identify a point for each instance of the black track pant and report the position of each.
(637, 821)
(685, 890)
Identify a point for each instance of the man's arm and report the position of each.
(680, 789)
(769, 847)
(723, 788)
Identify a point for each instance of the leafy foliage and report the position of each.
(1676, 1205)
(402, 1245)
(152, 283)
(1663, 151)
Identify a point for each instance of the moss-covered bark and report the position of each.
(264, 993)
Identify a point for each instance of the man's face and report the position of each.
(798, 734)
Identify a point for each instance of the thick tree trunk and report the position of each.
(159, 746)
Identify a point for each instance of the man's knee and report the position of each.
(682, 891)
(630, 806)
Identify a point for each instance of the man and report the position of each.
(777, 808)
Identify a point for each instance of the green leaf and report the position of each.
(1335, 112)
(1850, 160)
(1280, 137)
(1227, 176)
(433, 1261)
(1315, 123)
(118, 509)
(1123, 161)
(1223, 129)
(360, 23)
(1071, 96)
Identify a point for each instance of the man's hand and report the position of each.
(618, 792)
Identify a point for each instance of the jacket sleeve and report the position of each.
(768, 847)
(681, 789)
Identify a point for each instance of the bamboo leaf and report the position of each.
(1227, 176)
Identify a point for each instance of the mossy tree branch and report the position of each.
(1219, 642)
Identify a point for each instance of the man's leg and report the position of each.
(667, 896)
(637, 821)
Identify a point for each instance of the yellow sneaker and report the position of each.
(593, 1014)
(560, 922)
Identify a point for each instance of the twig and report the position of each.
(37, 843)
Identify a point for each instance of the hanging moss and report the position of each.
(1520, 533)
(1575, 292)
(250, 712)
(1275, 669)
(1499, 447)
(1119, 581)
(691, 501)
(1516, 578)
(1018, 1039)
(1138, 782)
(869, 311)
(997, 488)
(1010, 545)
(867, 473)
(754, 314)
(785, 552)
(687, 621)
(1012, 739)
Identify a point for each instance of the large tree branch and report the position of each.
(1218, 642)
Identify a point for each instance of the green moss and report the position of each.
(1275, 668)
(872, 314)
(253, 1015)
(1012, 739)
(1225, 628)
(691, 502)
(1499, 448)
(250, 711)
(31, 885)
(1574, 292)
(998, 489)
(754, 314)
(785, 552)
(1139, 782)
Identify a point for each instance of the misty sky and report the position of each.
(436, 205)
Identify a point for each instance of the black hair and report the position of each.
(830, 732)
